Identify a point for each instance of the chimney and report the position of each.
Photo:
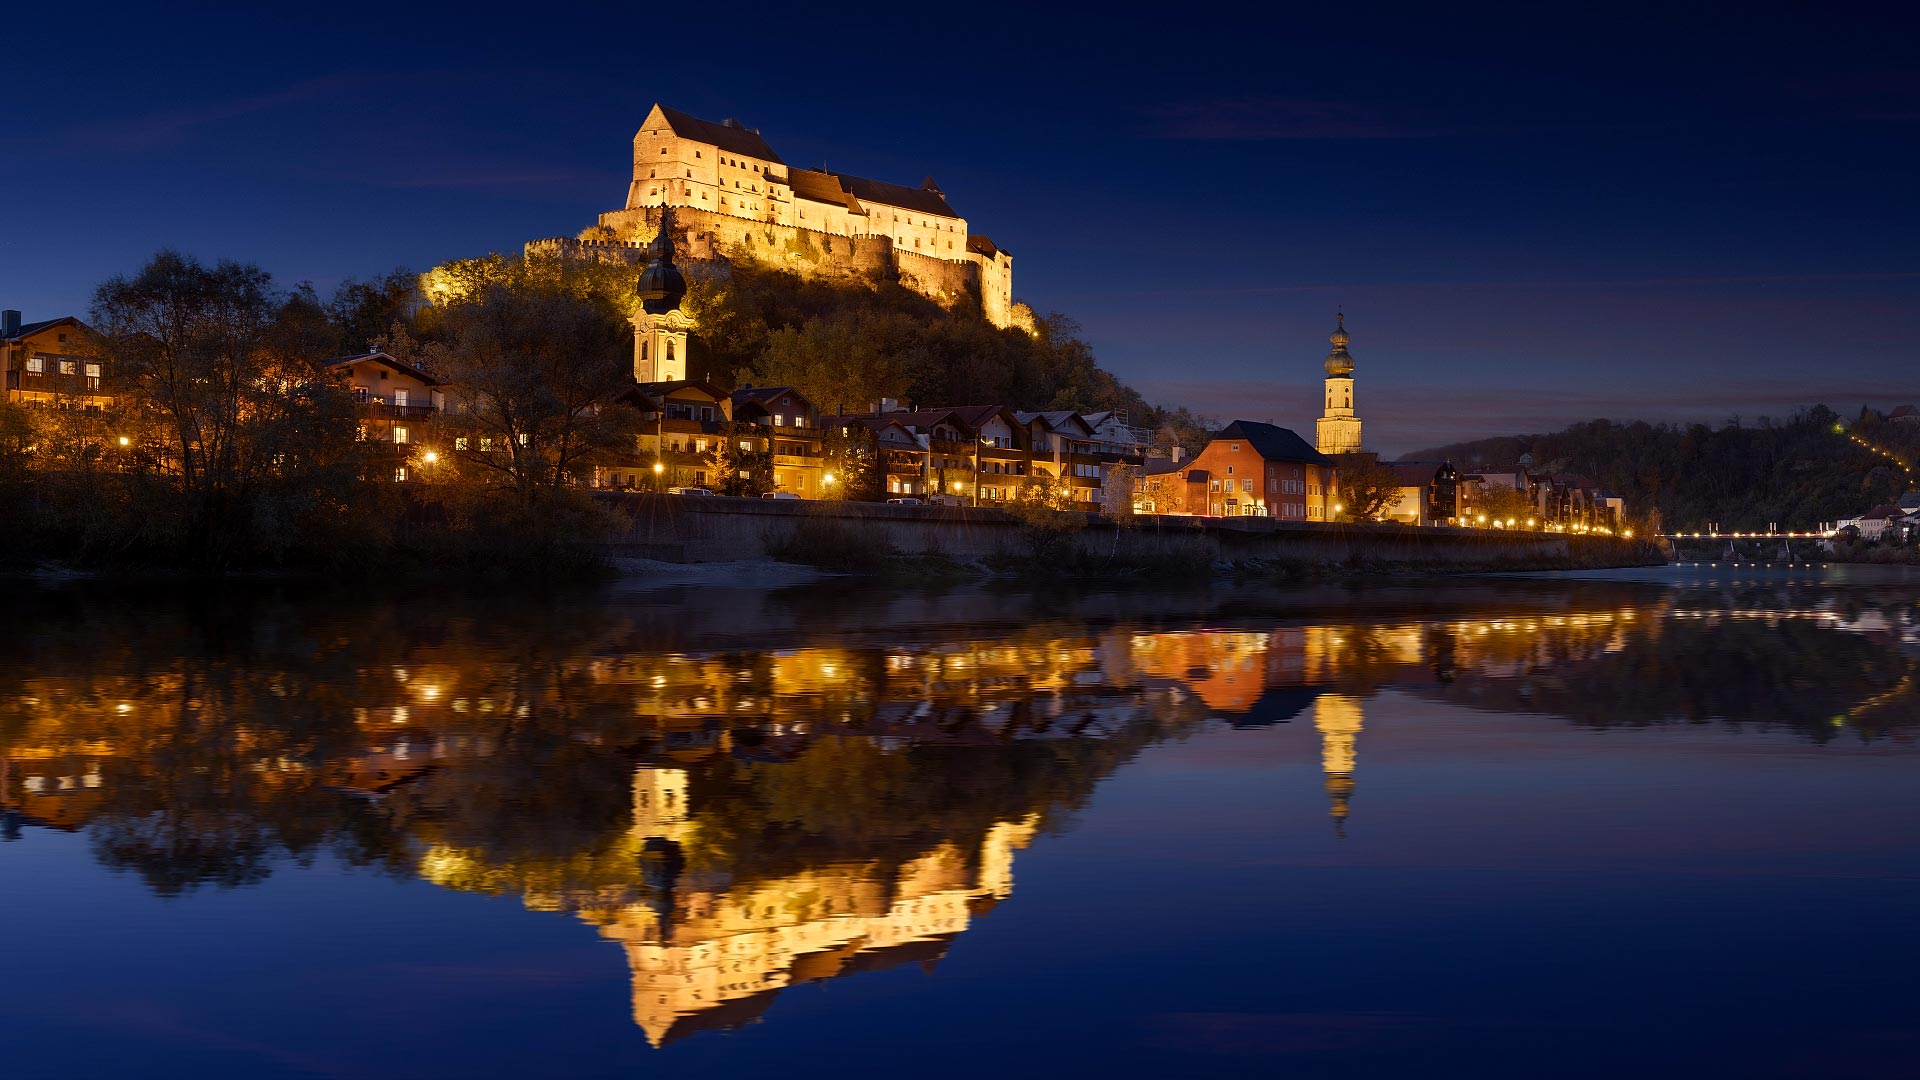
(9, 323)
(888, 404)
(1178, 454)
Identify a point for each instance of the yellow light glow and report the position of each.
(124, 441)
(658, 468)
(828, 479)
(431, 457)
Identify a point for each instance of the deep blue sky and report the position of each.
(1530, 216)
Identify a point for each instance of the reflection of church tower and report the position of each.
(1338, 431)
(659, 326)
(1338, 718)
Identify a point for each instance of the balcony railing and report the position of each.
(381, 410)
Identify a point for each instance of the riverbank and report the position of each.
(868, 538)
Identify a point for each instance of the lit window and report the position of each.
(66, 367)
(400, 435)
(36, 365)
(525, 438)
(400, 398)
(460, 443)
(400, 475)
(779, 420)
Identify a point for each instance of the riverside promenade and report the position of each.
(676, 528)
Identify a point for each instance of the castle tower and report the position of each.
(659, 326)
(1338, 718)
(1338, 430)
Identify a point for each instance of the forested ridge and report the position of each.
(1797, 472)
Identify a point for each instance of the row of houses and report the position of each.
(962, 455)
(1889, 523)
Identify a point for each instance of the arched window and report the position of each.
(643, 353)
(669, 353)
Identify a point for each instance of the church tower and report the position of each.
(1338, 431)
(660, 327)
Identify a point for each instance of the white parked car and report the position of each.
(689, 491)
(780, 495)
(907, 502)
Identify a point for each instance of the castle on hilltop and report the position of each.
(735, 197)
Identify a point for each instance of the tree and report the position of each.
(855, 462)
(535, 380)
(743, 460)
(1367, 488)
(252, 433)
(1500, 504)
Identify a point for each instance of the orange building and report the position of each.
(1258, 470)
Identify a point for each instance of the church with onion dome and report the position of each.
(1338, 430)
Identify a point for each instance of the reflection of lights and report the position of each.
(123, 708)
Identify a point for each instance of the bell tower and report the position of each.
(660, 328)
(1338, 430)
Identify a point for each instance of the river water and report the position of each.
(1654, 823)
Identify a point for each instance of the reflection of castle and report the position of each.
(706, 953)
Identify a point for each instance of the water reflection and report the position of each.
(742, 820)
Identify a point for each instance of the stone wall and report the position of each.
(679, 528)
(710, 241)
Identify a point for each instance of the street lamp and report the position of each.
(827, 479)
(124, 441)
(659, 467)
(431, 457)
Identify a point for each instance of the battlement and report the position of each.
(709, 243)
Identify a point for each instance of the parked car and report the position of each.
(907, 502)
(780, 495)
(689, 491)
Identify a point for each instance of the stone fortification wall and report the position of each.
(712, 529)
(710, 241)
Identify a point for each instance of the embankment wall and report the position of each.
(679, 528)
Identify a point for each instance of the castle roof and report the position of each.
(982, 244)
(729, 137)
(925, 199)
(1272, 443)
(822, 187)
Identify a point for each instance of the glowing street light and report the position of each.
(124, 441)
(431, 457)
(827, 479)
(658, 468)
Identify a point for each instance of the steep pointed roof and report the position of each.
(730, 136)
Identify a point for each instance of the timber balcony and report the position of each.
(964, 447)
(381, 410)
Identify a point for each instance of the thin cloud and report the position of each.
(160, 130)
(1267, 119)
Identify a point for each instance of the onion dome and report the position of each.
(661, 288)
(1339, 361)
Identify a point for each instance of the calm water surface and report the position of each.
(1656, 827)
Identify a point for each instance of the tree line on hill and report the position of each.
(1797, 472)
